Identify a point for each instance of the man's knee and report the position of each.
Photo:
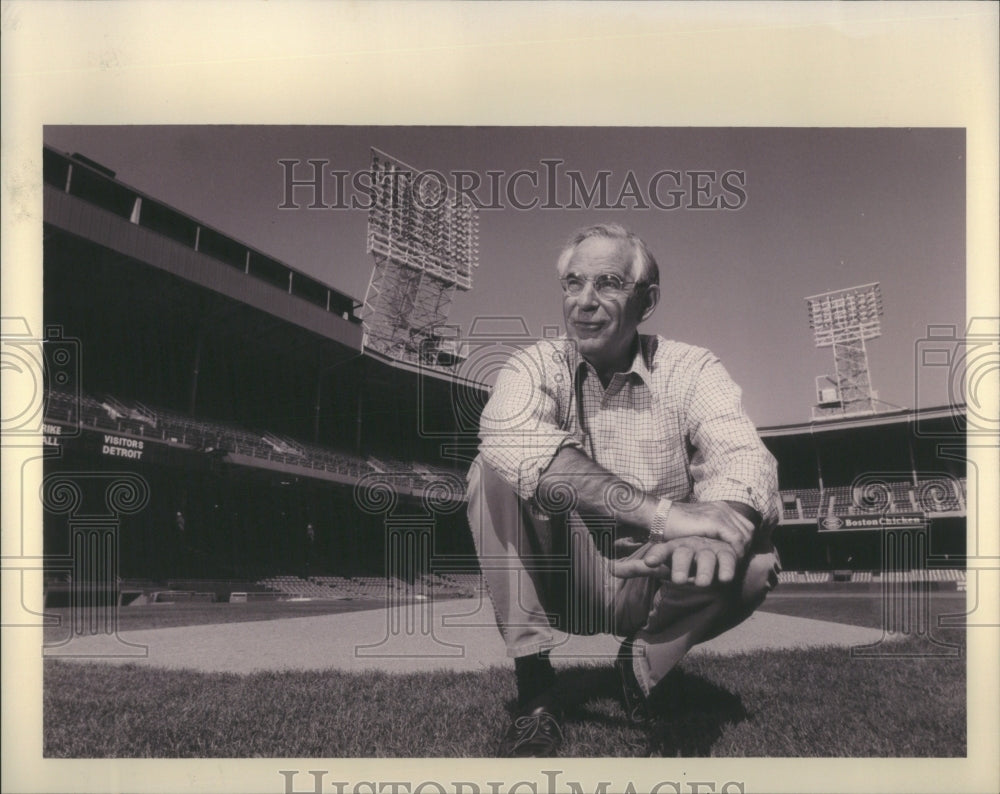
(761, 578)
(483, 482)
(487, 492)
(496, 509)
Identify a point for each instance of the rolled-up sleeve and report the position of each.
(729, 461)
(523, 424)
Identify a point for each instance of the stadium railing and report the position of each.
(172, 427)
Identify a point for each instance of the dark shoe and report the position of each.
(536, 731)
(633, 698)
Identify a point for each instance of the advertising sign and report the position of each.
(871, 521)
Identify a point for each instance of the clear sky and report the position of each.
(812, 210)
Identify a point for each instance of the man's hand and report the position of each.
(713, 520)
(710, 560)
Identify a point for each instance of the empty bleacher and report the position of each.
(340, 586)
(175, 428)
(947, 575)
(939, 496)
(902, 496)
(447, 584)
(810, 499)
(945, 495)
(378, 588)
(471, 582)
(297, 587)
(836, 498)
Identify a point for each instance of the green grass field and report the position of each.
(804, 703)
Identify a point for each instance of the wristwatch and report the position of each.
(658, 531)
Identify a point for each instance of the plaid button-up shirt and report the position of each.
(673, 424)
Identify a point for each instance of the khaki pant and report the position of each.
(546, 572)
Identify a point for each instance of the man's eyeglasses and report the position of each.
(607, 285)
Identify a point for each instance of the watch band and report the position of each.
(658, 531)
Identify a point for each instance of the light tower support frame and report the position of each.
(844, 320)
(424, 238)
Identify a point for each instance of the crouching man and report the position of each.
(620, 488)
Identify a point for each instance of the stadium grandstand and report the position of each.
(283, 460)
(843, 481)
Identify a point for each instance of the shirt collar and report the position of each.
(642, 362)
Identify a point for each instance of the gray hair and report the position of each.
(644, 267)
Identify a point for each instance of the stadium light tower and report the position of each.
(425, 240)
(844, 320)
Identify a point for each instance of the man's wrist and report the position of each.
(658, 527)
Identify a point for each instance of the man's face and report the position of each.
(605, 325)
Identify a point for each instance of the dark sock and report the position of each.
(535, 675)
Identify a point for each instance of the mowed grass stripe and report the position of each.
(809, 703)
